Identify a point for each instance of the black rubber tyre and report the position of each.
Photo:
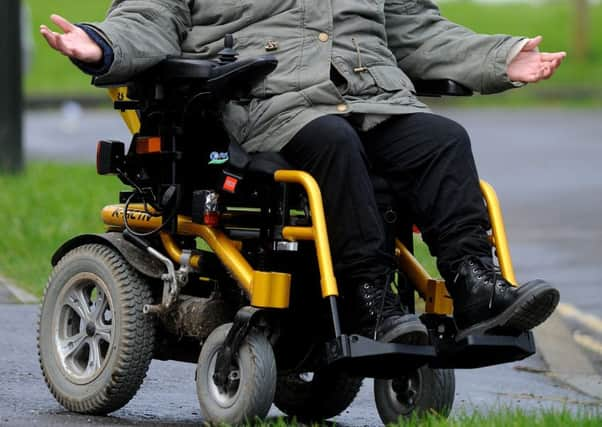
(94, 342)
(316, 397)
(253, 379)
(422, 391)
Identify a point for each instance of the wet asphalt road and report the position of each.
(168, 395)
(544, 165)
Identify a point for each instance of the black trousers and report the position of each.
(428, 162)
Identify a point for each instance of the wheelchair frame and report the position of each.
(272, 290)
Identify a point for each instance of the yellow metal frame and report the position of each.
(264, 289)
(130, 117)
(500, 241)
(270, 289)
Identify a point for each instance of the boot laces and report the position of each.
(382, 294)
(484, 268)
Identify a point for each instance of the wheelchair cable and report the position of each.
(148, 233)
(142, 192)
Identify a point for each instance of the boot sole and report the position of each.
(536, 302)
(411, 332)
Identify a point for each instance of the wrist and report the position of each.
(100, 62)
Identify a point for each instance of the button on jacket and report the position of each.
(334, 56)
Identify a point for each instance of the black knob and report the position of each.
(228, 54)
(229, 41)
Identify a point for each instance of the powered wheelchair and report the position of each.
(219, 257)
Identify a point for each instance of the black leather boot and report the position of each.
(485, 302)
(379, 316)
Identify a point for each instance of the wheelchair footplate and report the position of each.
(477, 351)
(474, 351)
(361, 356)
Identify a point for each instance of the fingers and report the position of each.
(548, 68)
(56, 41)
(532, 43)
(50, 36)
(62, 23)
(545, 56)
(547, 72)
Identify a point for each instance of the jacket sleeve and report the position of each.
(141, 33)
(428, 46)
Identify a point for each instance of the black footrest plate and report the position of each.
(361, 356)
(477, 351)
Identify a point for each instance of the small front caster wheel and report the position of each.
(251, 384)
(424, 390)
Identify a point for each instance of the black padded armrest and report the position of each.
(440, 88)
(176, 70)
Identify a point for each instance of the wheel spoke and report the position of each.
(103, 332)
(77, 300)
(95, 358)
(99, 307)
(72, 345)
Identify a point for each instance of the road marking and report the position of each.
(587, 342)
(589, 320)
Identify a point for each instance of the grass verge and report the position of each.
(43, 207)
(591, 417)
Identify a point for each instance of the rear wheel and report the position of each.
(251, 384)
(316, 396)
(422, 391)
(94, 342)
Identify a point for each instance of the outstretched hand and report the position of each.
(74, 43)
(531, 66)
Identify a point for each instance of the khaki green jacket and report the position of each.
(369, 46)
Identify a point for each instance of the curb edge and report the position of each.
(22, 296)
(567, 362)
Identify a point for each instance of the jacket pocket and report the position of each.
(390, 78)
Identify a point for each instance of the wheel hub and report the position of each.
(90, 329)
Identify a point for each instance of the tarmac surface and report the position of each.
(545, 167)
(168, 394)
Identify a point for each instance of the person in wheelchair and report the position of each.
(341, 104)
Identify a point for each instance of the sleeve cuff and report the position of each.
(101, 67)
(512, 53)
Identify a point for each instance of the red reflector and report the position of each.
(211, 218)
(230, 184)
(415, 229)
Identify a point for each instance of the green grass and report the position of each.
(576, 83)
(498, 418)
(43, 207)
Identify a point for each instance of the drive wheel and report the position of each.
(424, 390)
(94, 342)
(251, 380)
(316, 396)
